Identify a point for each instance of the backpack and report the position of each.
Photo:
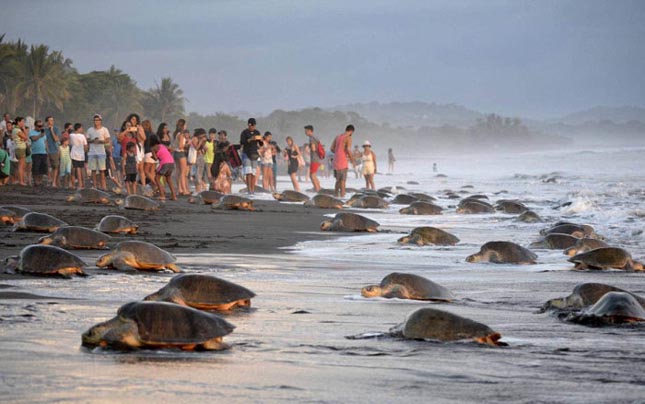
(233, 157)
(320, 150)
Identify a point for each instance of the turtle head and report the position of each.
(404, 240)
(47, 240)
(277, 196)
(405, 211)
(71, 198)
(92, 337)
(371, 291)
(571, 251)
(118, 202)
(474, 258)
(326, 225)
(637, 266)
(104, 260)
(155, 297)
(117, 190)
(559, 303)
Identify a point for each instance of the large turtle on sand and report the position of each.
(45, 260)
(408, 286)
(290, 196)
(584, 245)
(158, 325)
(429, 236)
(138, 255)
(349, 222)
(38, 222)
(207, 197)
(528, 216)
(116, 224)
(585, 295)
(138, 202)
(431, 324)
(421, 208)
(510, 206)
(473, 206)
(91, 195)
(234, 202)
(203, 292)
(368, 202)
(324, 202)
(19, 211)
(612, 308)
(404, 199)
(606, 258)
(503, 252)
(7, 216)
(555, 241)
(76, 237)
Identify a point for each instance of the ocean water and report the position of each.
(294, 345)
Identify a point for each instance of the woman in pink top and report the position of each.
(165, 169)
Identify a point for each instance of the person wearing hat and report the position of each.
(250, 140)
(369, 165)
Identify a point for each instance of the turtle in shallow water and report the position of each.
(528, 216)
(38, 222)
(510, 206)
(431, 324)
(611, 308)
(138, 255)
(555, 241)
(290, 196)
(91, 195)
(421, 208)
(576, 230)
(76, 237)
(116, 224)
(138, 202)
(203, 292)
(7, 216)
(349, 222)
(503, 252)
(429, 236)
(606, 258)
(234, 202)
(158, 325)
(474, 206)
(408, 286)
(422, 197)
(368, 202)
(324, 202)
(45, 260)
(404, 199)
(585, 295)
(584, 245)
(19, 211)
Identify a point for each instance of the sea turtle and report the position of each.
(576, 230)
(528, 216)
(503, 252)
(606, 258)
(408, 286)
(510, 206)
(258, 190)
(583, 245)
(479, 197)
(45, 260)
(584, 295)
(116, 224)
(234, 202)
(429, 236)
(611, 308)
(91, 195)
(404, 199)
(473, 206)
(19, 211)
(209, 197)
(324, 202)
(39, 222)
(368, 202)
(138, 202)
(422, 197)
(421, 208)
(204, 292)
(290, 196)
(76, 237)
(349, 222)
(7, 216)
(157, 325)
(138, 255)
(555, 241)
(431, 324)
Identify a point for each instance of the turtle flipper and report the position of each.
(174, 268)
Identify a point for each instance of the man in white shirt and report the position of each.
(97, 138)
(78, 144)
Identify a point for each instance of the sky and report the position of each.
(536, 59)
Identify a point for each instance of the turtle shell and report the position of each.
(324, 202)
(291, 196)
(585, 244)
(472, 206)
(161, 323)
(404, 199)
(422, 197)
(210, 197)
(76, 237)
(47, 260)
(584, 295)
(91, 195)
(432, 235)
(7, 216)
(352, 222)
(18, 210)
(504, 252)
(199, 290)
(421, 208)
(603, 258)
(231, 202)
(617, 304)
(145, 252)
(369, 202)
(556, 241)
(508, 206)
(529, 216)
(116, 224)
(417, 287)
(40, 222)
(138, 202)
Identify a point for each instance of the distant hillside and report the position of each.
(413, 114)
(602, 113)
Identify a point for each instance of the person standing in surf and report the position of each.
(342, 149)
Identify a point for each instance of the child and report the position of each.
(65, 163)
(165, 169)
(129, 167)
(223, 181)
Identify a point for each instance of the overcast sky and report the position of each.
(530, 58)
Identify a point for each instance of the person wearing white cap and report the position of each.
(369, 164)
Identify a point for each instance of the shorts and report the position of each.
(54, 160)
(179, 155)
(340, 175)
(250, 166)
(166, 169)
(147, 158)
(78, 164)
(270, 164)
(21, 153)
(39, 164)
(96, 162)
(130, 178)
(313, 168)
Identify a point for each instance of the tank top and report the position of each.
(340, 156)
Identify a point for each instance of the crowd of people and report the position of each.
(136, 159)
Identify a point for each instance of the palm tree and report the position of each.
(120, 97)
(44, 78)
(165, 100)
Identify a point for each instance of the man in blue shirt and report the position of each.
(52, 134)
(38, 153)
